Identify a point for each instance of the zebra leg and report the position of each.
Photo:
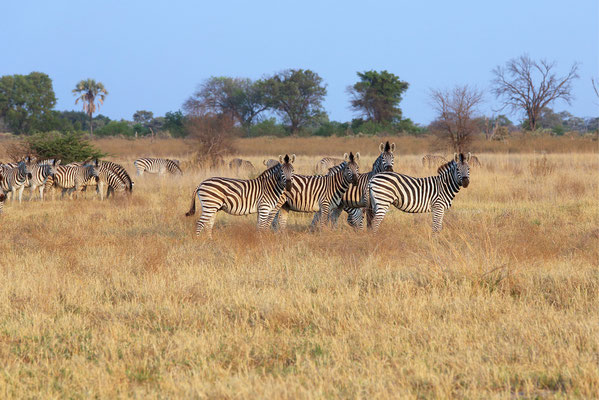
(334, 215)
(41, 189)
(282, 216)
(380, 210)
(438, 213)
(316, 219)
(206, 221)
(355, 218)
(21, 189)
(325, 211)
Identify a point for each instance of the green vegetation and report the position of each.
(67, 147)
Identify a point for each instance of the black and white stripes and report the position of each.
(157, 166)
(419, 195)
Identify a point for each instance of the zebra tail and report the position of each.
(192, 209)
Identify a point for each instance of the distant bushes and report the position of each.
(67, 147)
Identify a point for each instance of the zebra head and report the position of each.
(462, 171)
(385, 161)
(51, 168)
(286, 175)
(25, 169)
(351, 170)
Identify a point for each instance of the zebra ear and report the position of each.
(57, 163)
(264, 162)
(281, 159)
(468, 157)
(346, 157)
(381, 147)
(392, 147)
(292, 158)
(456, 158)
(357, 157)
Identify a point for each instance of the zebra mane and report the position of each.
(446, 167)
(337, 168)
(270, 172)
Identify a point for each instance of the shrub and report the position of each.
(268, 127)
(116, 128)
(68, 147)
(332, 128)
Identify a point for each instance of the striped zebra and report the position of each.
(15, 179)
(474, 161)
(325, 164)
(270, 163)
(433, 160)
(356, 200)
(72, 178)
(319, 194)
(419, 195)
(157, 166)
(113, 176)
(2, 196)
(261, 195)
(237, 164)
(40, 174)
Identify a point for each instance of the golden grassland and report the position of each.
(120, 299)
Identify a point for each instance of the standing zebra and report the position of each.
(73, 178)
(319, 194)
(433, 160)
(40, 174)
(112, 175)
(356, 200)
(418, 195)
(157, 166)
(261, 195)
(323, 166)
(15, 179)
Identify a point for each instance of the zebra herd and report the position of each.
(279, 190)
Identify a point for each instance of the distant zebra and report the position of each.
(356, 200)
(40, 174)
(270, 163)
(323, 166)
(73, 178)
(237, 164)
(474, 161)
(262, 195)
(157, 166)
(2, 196)
(433, 160)
(419, 195)
(15, 179)
(319, 194)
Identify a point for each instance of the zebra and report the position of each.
(319, 194)
(157, 166)
(418, 195)
(2, 196)
(114, 176)
(73, 178)
(474, 161)
(261, 195)
(356, 199)
(323, 166)
(40, 174)
(15, 179)
(270, 163)
(238, 163)
(433, 160)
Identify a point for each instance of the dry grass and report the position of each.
(119, 298)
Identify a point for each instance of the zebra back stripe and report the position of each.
(157, 166)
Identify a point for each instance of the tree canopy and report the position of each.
(377, 96)
(92, 95)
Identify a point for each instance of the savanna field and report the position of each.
(120, 299)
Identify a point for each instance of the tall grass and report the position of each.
(120, 299)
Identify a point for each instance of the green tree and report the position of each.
(26, 101)
(92, 95)
(377, 95)
(174, 122)
(67, 147)
(297, 95)
(143, 117)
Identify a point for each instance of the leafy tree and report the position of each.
(239, 99)
(92, 95)
(26, 101)
(267, 127)
(174, 122)
(143, 117)
(297, 95)
(377, 95)
(67, 147)
(117, 128)
(530, 86)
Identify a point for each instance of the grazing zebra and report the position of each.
(270, 163)
(418, 195)
(73, 178)
(324, 165)
(433, 160)
(262, 195)
(15, 179)
(238, 163)
(112, 175)
(474, 161)
(40, 174)
(319, 194)
(356, 199)
(157, 166)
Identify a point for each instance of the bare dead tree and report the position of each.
(212, 136)
(525, 84)
(454, 124)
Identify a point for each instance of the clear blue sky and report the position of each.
(151, 54)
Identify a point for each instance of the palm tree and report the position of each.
(90, 91)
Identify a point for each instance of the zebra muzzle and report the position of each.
(465, 182)
(389, 168)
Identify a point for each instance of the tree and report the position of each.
(67, 147)
(143, 117)
(92, 95)
(525, 84)
(26, 101)
(456, 107)
(377, 95)
(239, 99)
(297, 95)
(174, 122)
